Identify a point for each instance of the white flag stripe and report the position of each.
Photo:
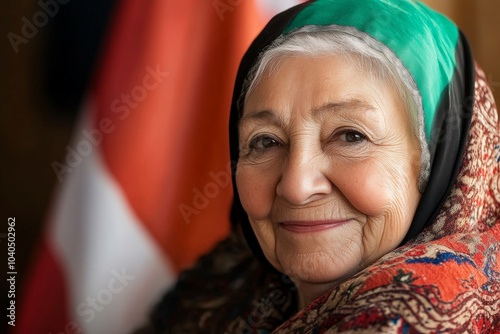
(101, 244)
(272, 7)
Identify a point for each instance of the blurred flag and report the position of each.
(145, 185)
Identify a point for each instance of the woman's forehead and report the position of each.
(317, 85)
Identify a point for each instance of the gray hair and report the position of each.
(370, 55)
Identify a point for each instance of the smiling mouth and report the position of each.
(311, 226)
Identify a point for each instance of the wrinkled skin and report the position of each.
(328, 170)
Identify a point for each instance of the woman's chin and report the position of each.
(308, 262)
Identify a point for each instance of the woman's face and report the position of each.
(328, 169)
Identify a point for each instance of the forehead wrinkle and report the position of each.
(264, 116)
(343, 107)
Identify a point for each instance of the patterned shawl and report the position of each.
(445, 278)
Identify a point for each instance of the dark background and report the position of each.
(41, 88)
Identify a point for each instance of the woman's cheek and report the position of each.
(365, 186)
(255, 190)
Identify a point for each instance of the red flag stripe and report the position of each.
(44, 307)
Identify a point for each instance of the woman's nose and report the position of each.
(303, 179)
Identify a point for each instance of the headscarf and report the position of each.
(446, 275)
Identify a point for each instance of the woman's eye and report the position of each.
(262, 143)
(352, 136)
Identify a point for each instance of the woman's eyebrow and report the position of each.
(351, 105)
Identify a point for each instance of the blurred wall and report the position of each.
(34, 131)
(30, 137)
(479, 20)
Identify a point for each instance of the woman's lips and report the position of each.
(311, 226)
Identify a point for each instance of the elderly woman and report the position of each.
(366, 183)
